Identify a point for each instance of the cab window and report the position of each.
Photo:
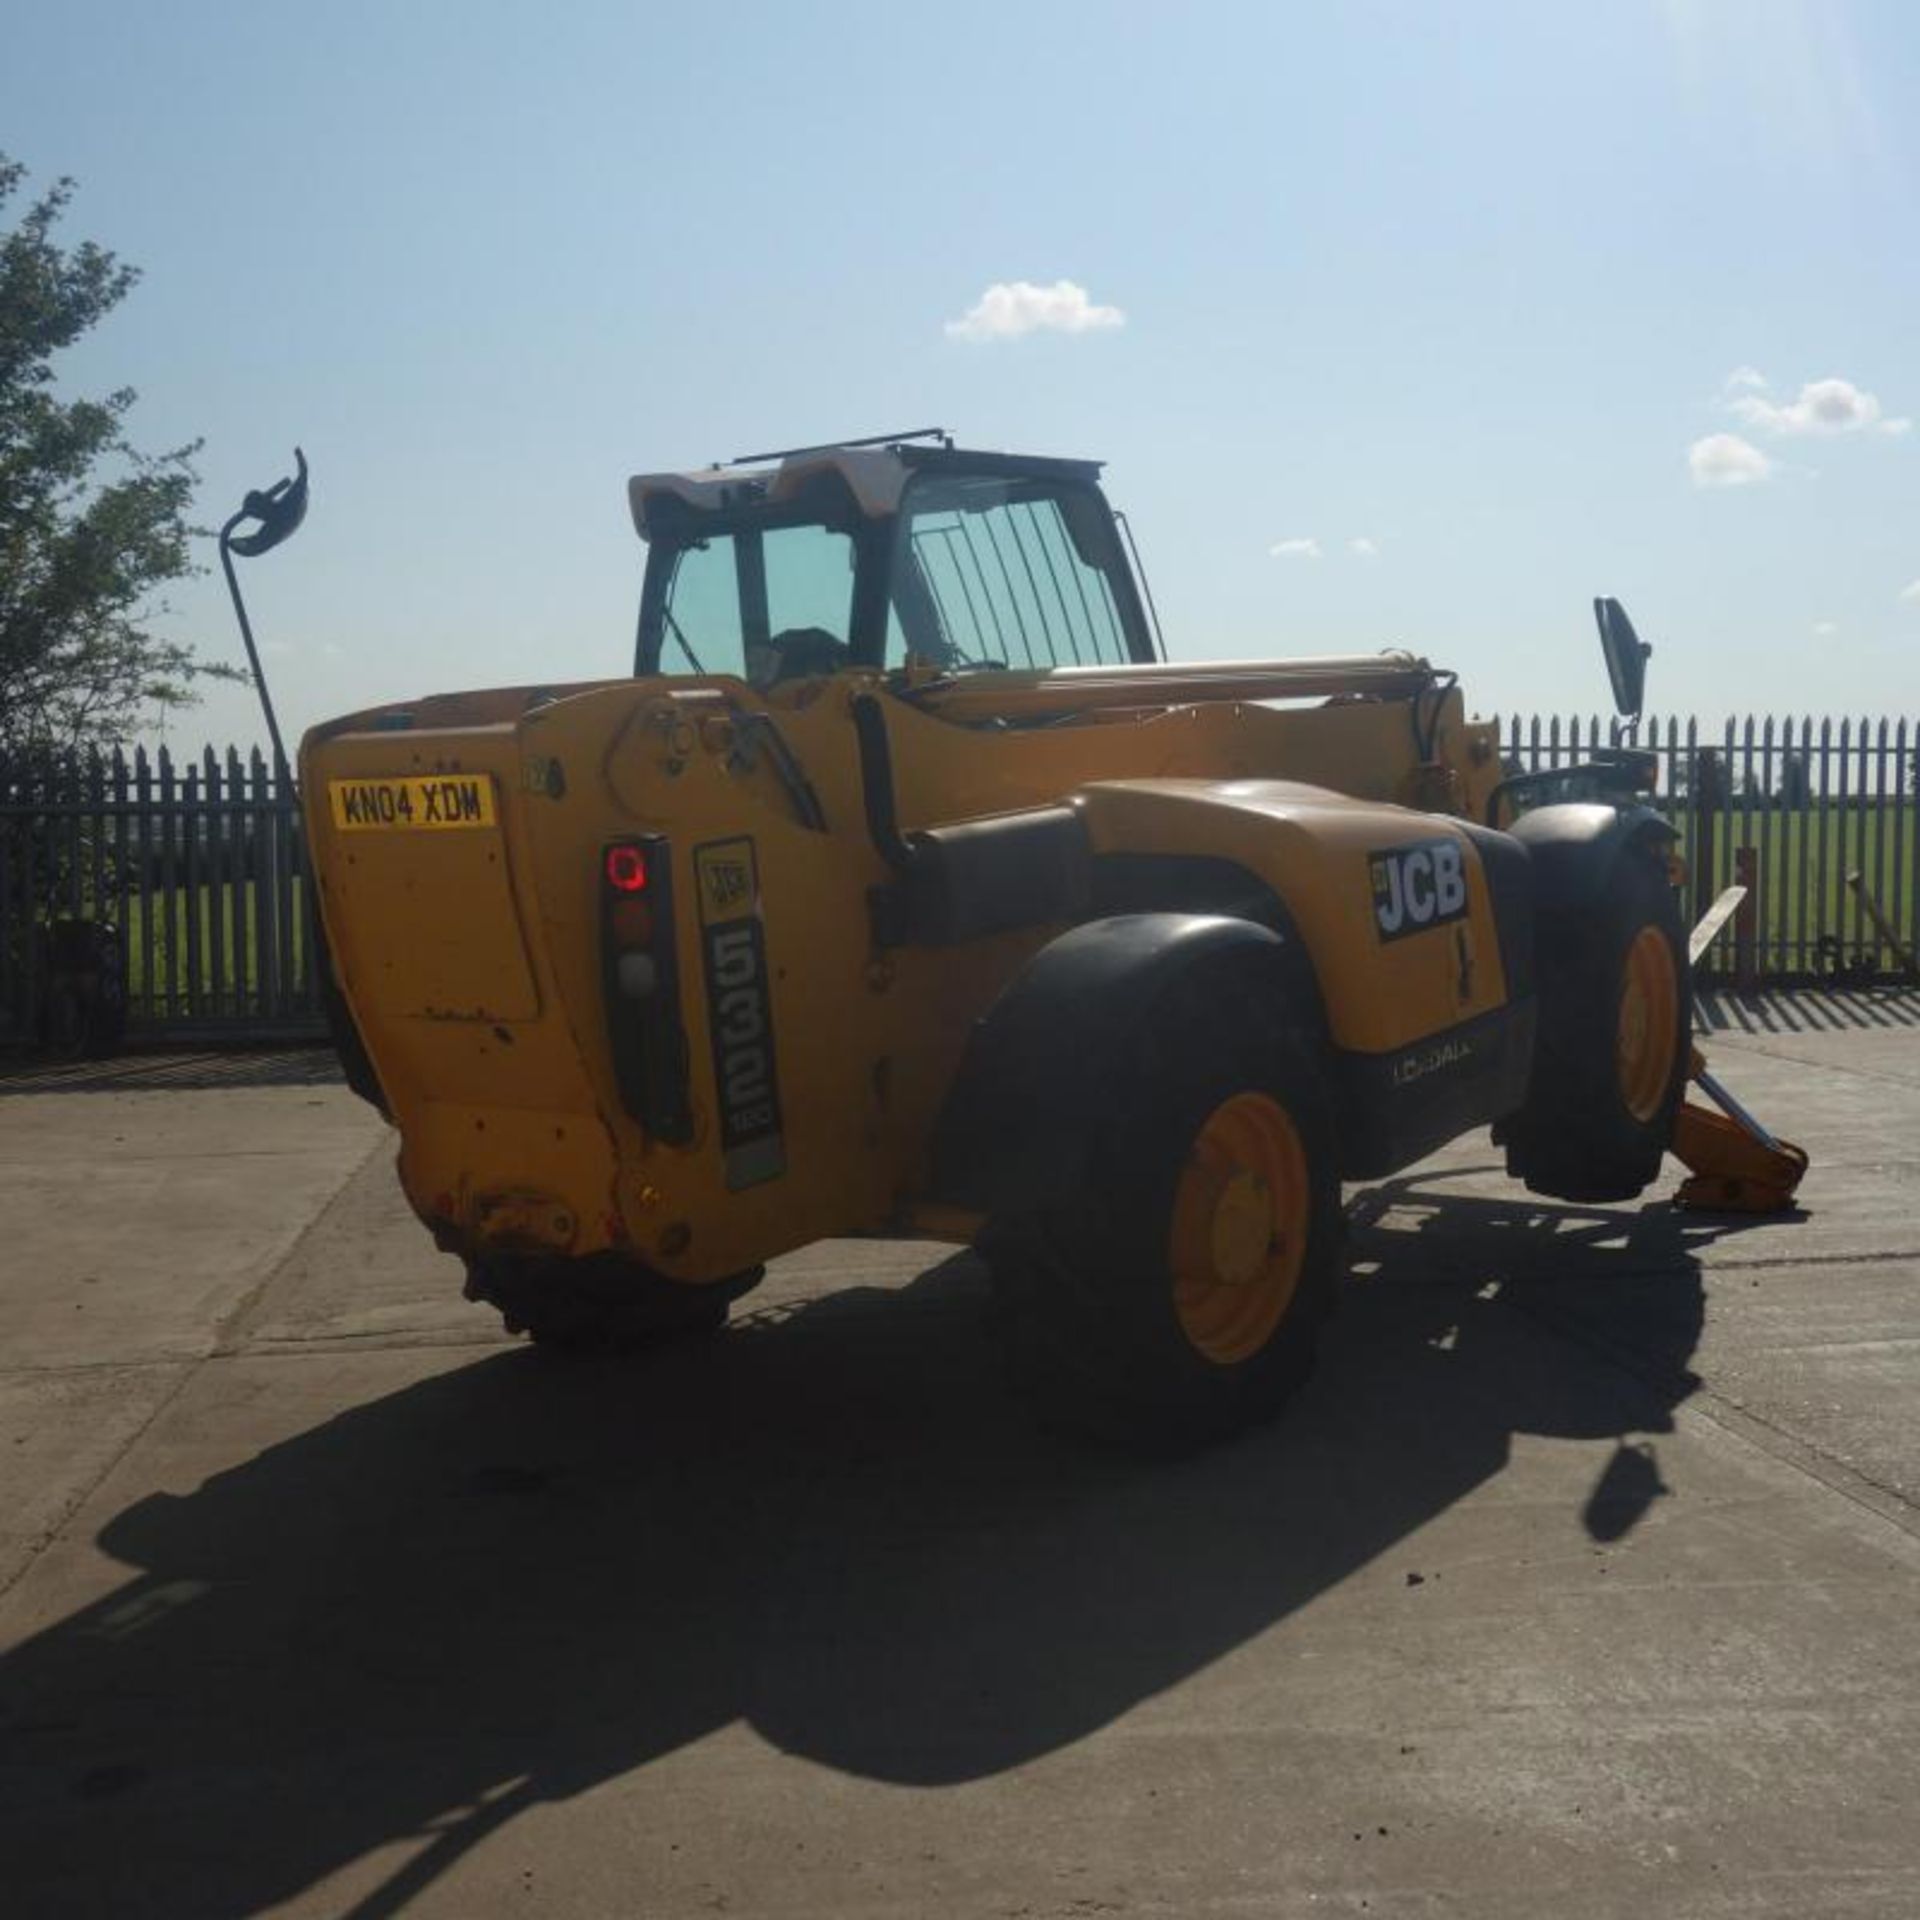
(764, 603)
(992, 572)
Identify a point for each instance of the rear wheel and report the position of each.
(1615, 1038)
(599, 1304)
(1176, 1295)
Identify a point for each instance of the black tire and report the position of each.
(1579, 1137)
(1085, 1286)
(602, 1304)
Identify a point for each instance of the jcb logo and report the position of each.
(728, 884)
(1418, 887)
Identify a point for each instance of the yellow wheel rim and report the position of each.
(1240, 1217)
(1649, 1023)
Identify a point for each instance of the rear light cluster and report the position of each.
(629, 920)
(641, 983)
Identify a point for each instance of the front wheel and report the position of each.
(1176, 1294)
(1615, 1039)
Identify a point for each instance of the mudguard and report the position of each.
(1039, 1065)
(1573, 846)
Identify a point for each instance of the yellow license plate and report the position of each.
(432, 800)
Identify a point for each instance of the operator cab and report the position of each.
(887, 556)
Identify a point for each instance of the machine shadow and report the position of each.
(513, 1580)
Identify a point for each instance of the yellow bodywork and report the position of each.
(469, 948)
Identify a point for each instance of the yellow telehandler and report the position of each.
(906, 887)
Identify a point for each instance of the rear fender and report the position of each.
(1041, 1065)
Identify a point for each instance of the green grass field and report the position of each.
(1804, 859)
(222, 962)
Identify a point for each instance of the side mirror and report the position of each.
(279, 511)
(1626, 655)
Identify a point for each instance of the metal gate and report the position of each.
(199, 870)
(193, 873)
(1815, 817)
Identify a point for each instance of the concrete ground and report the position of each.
(1584, 1580)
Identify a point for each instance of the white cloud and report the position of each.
(1725, 460)
(1301, 547)
(1010, 308)
(1745, 380)
(1911, 594)
(1363, 548)
(1824, 629)
(1823, 407)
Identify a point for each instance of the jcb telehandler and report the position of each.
(907, 888)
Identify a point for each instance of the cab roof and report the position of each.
(874, 475)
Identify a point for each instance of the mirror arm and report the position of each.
(279, 510)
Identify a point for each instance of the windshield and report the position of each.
(1011, 573)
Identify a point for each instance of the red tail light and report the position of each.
(626, 868)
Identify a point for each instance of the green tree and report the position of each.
(90, 528)
(1796, 790)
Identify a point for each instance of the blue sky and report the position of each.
(1466, 284)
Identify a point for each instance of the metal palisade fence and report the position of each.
(180, 886)
(1816, 817)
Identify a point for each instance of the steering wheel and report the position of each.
(798, 653)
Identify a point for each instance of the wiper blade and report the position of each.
(686, 645)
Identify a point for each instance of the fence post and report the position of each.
(296, 963)
(1708, 799)
(1769, 838)
(122, 856)
(213, 885)
(193, 880)
(1746, 920)
(13, 974)
(264, 867)
(1906, 843)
